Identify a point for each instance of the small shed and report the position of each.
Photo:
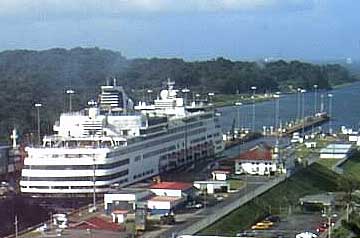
(310, 144)
(119, 216)
(220, 174)
(212, 186)
(163, 204)
(124, 199)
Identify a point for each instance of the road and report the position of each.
(253, 182)
(187, 219)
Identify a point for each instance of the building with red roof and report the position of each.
(174, 189)
(169, 196)
(97, 223)
(257, 161)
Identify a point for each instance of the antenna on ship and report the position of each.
(114, 82)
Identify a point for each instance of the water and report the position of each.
(345, 110)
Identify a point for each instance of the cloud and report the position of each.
(84, 8)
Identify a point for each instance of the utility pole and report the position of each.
(303, 91)
(70, 92)
(315, 98)
(253, 88)
(94, 184)
(298, 104)
(330, 95)
(37, 106)
(238, 104)
(16, 227)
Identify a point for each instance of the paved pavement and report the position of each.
(185, 220)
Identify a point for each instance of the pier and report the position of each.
(238, 137)
(306, 123)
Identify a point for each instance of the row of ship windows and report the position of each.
(78, 167)
(256, 163)
(159, 151)
(151, 171)
(156, 142)
(65, 187)
(82, 178)
(75, 187)
(198, 140)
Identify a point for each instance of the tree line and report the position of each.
(28, 77)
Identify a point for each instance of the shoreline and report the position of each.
(231, 101)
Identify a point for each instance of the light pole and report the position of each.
(277, 112)
(253, 88)
(210, 98)
(94, 184)
(238, 104)
(303, 91)
(70, 92)
(298, 104)
(37, 106)
(330, 95)
(16, 227)
(185, 91)
(149, 91)
(329, 215)
(315, 98)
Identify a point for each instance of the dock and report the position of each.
(306, 123)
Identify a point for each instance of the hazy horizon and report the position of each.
(309, 30)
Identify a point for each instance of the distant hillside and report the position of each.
(27, 77)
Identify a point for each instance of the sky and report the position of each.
(190, 29)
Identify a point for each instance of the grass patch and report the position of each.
(311, 180)
(221, 100)
(352, 166)
(236, 184)
(328, 163)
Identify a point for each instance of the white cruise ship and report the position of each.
(113, 142)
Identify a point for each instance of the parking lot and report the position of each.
(289, 226)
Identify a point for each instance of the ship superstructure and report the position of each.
(112, 142)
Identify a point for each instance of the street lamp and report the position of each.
(329, 215)
(70, 92)
(94, 184)
(238, 104)
(149, 91)
(253, 88)
(185, 91)
(210, 97)
(277, 110)
(298, 103)
(37, 106)
(330, 95)
(315, 98)
(303, 91)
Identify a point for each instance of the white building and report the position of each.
(212, 186)
(125, 199)
(257, 161)
(336, 151)
(163, 204)
(220, 174)
(172, 189)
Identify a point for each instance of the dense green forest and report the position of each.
(28, 77)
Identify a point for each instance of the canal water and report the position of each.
(344, 103)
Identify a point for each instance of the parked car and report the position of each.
(167, 219)
(321, 228)
(273, 218)
(260, 226)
